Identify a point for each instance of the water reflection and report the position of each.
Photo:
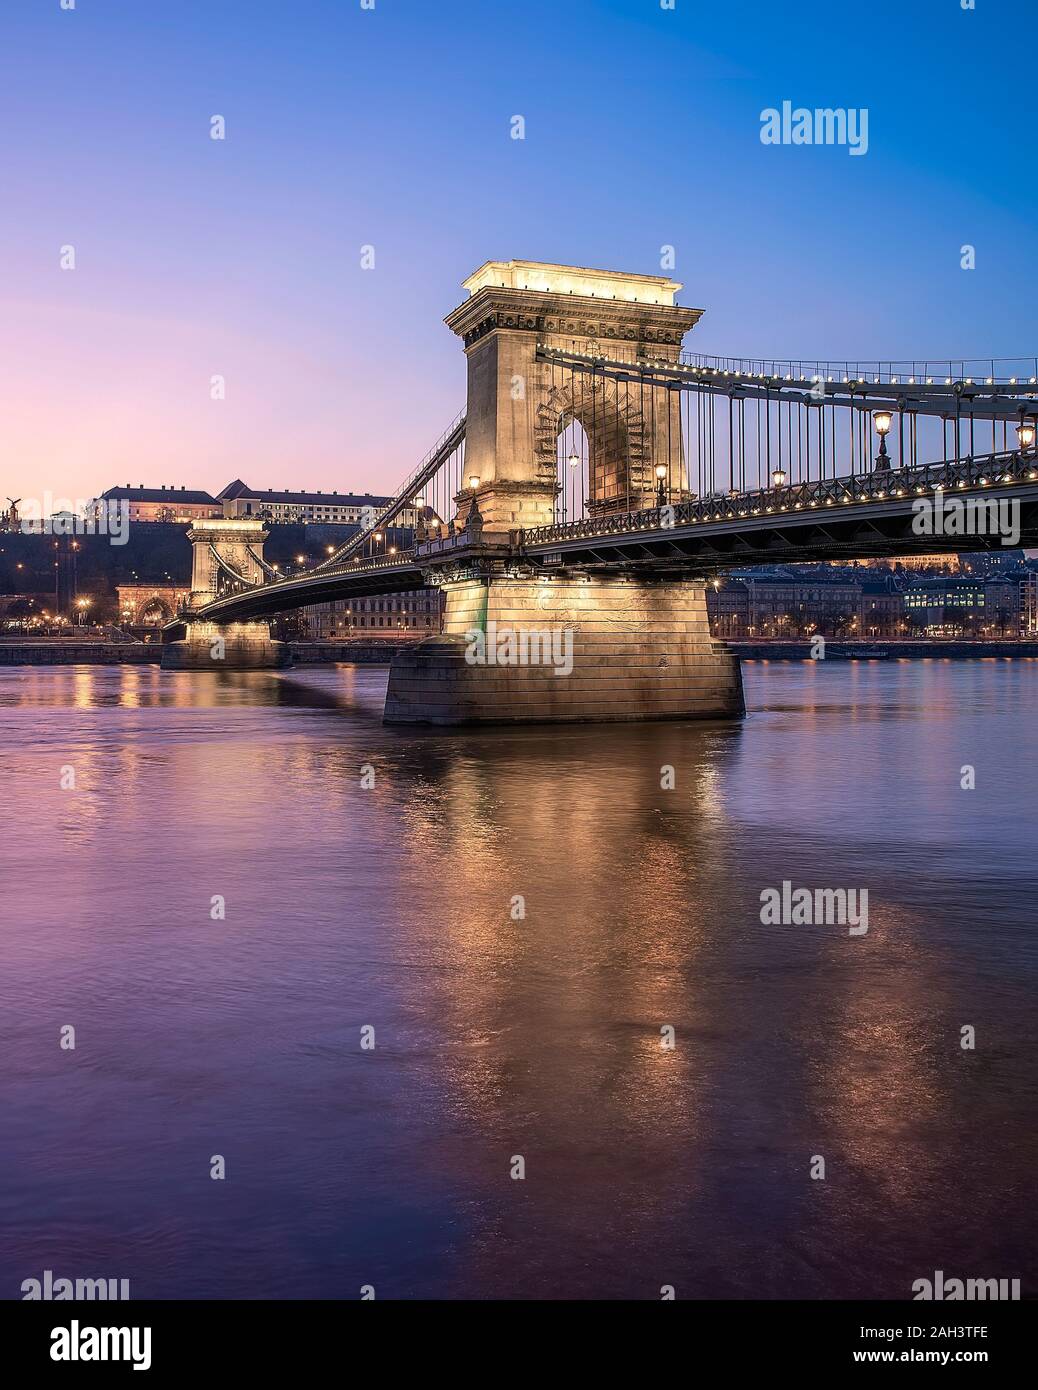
(502, 1032)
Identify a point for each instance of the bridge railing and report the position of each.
(1004, 371)
(356, 565)
(236, 588)
(883, 484)
(360, 564)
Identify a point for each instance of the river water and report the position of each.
(506, 1030)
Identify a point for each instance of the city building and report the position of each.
(161, 503)
(413, 613)
(771, 602)
(1029, 605)
(871, 602)
(343, 508)
(238, 500)
(150, 605)
(930, 564)
(881, 608)
(1002, 559)
(964, 607)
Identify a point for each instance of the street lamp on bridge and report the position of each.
(661, 473)
(1025, 434)
(474, 520)
(882, 420)
(778, 476)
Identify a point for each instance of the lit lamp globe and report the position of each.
(1025, 434)
(474, 518)
(778, 477)
(573, 460)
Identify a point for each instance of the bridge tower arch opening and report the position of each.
(154, 612)
(606, 435)
(573, 467)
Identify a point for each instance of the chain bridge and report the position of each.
(599, 475)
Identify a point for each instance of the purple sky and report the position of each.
(391, 127)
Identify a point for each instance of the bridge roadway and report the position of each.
(864, 517)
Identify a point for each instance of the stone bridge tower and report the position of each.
(516, 406)
(622, 647)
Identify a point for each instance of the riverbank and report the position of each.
(69, 652)
(836, 650)
(72, 652)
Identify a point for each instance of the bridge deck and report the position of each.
(865, 516)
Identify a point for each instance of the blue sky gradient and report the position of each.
(391, 127)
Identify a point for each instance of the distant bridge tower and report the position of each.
(221, 549)
(226, 553)
(517, 405)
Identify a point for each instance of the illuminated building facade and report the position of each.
(413, 613)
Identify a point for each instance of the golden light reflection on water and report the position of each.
(561, 1009)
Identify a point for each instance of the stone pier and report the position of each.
(567, 649)
(233, 647)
